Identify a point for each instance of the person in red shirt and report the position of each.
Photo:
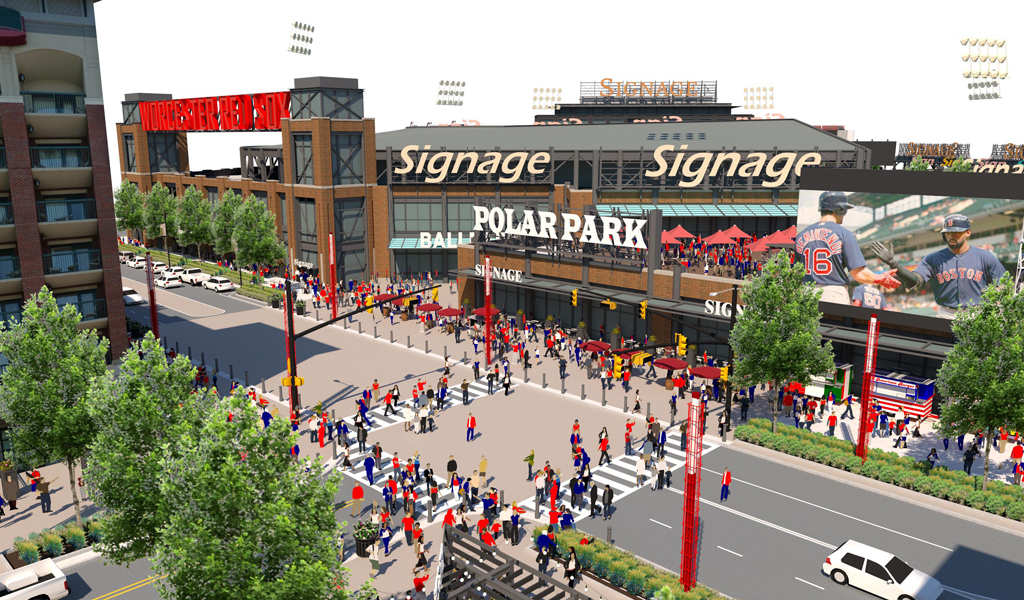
(812, 405)
(787, 402)
(832, 424)
(554, 516)
(488, 539)
(726, 480)
(449, 518)
(603, 446)
(357, 500)
(407, 523)
(470, 426)
(482, 526)
(420, 582)
(1015, 455)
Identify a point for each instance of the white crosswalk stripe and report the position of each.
(477, 389)
(620, 475)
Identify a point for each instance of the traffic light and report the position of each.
(725, 372)
(643, 309)
(611, 305)
(574, 299)
(618, 368)
(681, 341)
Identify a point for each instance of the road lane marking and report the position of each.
(129, 588)
(836, 512)
(660, 523)
(765, 523)
(970, 595)
(809, 583)
(730, 551)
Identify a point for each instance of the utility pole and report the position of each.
(732, 365)
(865, 393)
(154, 320)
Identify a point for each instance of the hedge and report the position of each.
(904, 471)
(52, 540)
(624, 569)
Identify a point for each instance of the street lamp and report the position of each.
(732, 360)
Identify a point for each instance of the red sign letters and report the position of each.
(243, 112)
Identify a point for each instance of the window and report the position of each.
(899, 569)
(305, 215)
(347, 158)
(349, 220)
(876, 570)
(284, 217)
(857, 562)
(415, 217)
(261, 196)
(129, 152)
(303, 152)
(163, 152)
(211, 195)
(238, 192)
(333, 104)
(460, 217)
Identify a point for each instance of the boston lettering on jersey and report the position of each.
(960, 273)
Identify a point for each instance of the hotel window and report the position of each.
(284, 217)
(129, 152)
(303, 153)
(163, 152)
(305, 216)
(211, 195)
(416, 217)
(347, 158)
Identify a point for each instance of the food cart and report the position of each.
(894, 391)
(836, 383)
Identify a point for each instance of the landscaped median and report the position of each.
(51, 543)
(623, 569)
(905, 471)
(250, 290)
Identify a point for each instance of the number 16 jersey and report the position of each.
(829, 252)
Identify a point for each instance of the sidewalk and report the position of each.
(28, 517)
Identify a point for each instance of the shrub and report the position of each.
(906, 478)
(853, 464)
(74, 536)
(958, 493)
(1015, 511)
(940, 487)
(28, 551)
(976, 499)
(601, 565)
(96, 530)
(886, 473)
(996, 504)
(924, 483)
(870, 468)
(52, 543)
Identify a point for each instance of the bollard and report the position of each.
(648, 411)
(609, 538)
(562, 379)
(604, 400)
(189, 353)
(446, 351)
(536, 510)
(280, 393)
(165, 342)
(426, 346)
(391, 334)
(374, 332)
(430, 511)
(263, 386)
(625, 404)
(408, 341)
(176, 349)
(544, 380)
(501, 498)
(216, 365)
(231, 372)
(360, 323)
(346, 323)
(202, 360)
(318, 315)
(246, 379)
(465, 357)
(583, 392)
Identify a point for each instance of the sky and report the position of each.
(887, 70)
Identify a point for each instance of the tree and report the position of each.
(981, 378)
(161, 215)
(195, 219)
(138, 415)
(246, 519)
(918, 164)
(128, 207)
(51, 365)
(224, 222)
(776, 338)
(960, 166)
(256, 235)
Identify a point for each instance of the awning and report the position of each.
(702, 210)
(815, 391)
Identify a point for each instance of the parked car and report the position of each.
(138, 262)
(879, 573)
(175, 270)
(194, 276)
(159, 267)
(125, 255)
(42, 579)
(132, 297)
(219, 284)
(168, 281)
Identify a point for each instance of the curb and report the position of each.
(76, 558)
(886, 489)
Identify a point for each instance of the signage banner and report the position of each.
(241, 112)
(895, 382)
(655, 89)
(438, 241)
(713, 307)
(498, 273)
(954, 150)
(503, 222)
(301, 264)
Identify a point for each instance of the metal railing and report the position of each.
(89, 309)
(10, 267)
(52, 211)
(6, 213)
(54, 103)
(71, 262)
(59, 157)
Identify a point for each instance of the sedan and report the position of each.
(132, 297)
(880, 573)
(138, 262)
(159, 267)
(219, 284)
(168, 281)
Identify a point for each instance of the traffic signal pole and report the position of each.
(732, 363)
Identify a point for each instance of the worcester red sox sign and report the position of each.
(242, 112)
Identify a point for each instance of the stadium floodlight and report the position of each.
(299, 34)
(963, 41)
(544, 98)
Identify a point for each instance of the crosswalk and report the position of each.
(620, 475)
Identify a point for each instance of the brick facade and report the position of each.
(23, 196)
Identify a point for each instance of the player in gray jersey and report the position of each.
(831, 255)
(869, 296)
(958, 273)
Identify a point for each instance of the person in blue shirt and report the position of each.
(567, 520)
(388, 498)
(661, 442)
(266, 418)
(368, 463)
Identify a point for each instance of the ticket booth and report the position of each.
(898, 390)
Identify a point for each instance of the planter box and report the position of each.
(275, 302)
(9, 484)
(405, 316)
(385, 310)
(300, 310)
(451, 328)
(363, 547)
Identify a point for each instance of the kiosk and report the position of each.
(897, 390)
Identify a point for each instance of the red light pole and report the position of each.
(691, 495)
(153, 320)
(334, 277)
(487, 309)
(865, 390)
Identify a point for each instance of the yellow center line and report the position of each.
(129, 588)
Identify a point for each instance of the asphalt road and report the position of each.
(800, 519)
(95, 581)
(225, 301)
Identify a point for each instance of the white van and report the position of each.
(41, 579)
(125, 255)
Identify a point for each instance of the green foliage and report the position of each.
(959, 493)
(74, 536)
(981, 376)
(776, 338)
(887, 473)
(52, 544)
(960, 166)
(1015, 511)
(50, 367)
(195, 218)
(854, 464)
(976, 499)
(28, 551)
(136, 414)
(939, 487)
(160, 214)
(255, 234)
(918, 164)
(871, 468)
(224, 222)
(906, 479)
(128, 207)
(996, 504)
(97, 530)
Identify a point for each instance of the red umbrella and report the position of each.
(760, 245)
(679, 233)
(706, 372)
(666, 238)
(483, 312)
(428, 307)
(791, 232)
(400, 301)
(595, 346)
(384, 297)
(736, 233)
(795, 387)
(450, 312)
(670, 364)
(719, 237)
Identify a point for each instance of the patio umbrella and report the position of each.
(595, 346)
(760, 245)
(679, 233)
(666, 238)
(791, 232)
(670, 364)
(401, 301)
(706, 372)
(428, 307)
(736, 233)
(483, 312)
(450, 312)
(719, 237)
(795, 387)
(385, 297)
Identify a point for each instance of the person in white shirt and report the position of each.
(662, 471)
(408, 414)
(641, 468)
(505, 516)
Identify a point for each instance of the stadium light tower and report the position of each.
(450, 93)
(985, 66)
(301, 39)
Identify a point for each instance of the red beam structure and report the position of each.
(865, 393)
(691, 495)
(334, 277)
(154, 320)
(487, 309)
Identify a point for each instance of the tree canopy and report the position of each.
(256, 234)
(160, 213)
(128, 206)
(224, 222)
(195, 218)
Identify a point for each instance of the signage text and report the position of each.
(697, 166)
(438, 241)
(499, 273)
(440, 164)
(241, 112)
(724, 309)
(502, 222)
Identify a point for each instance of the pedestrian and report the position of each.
(603, 447)
(969, 458)
(544, 550)
(636, 400)
(606, 502)
(470, 426)
(848, 403)
(490, 382)
(407, 523)
(43, 491)
(357, 499)
(452, 468)
(726, 480)
(1015, 455)
(662, 470)
(629, 437)
(572, 567)
(832, 424)
(424, 413)
(641, 468)
(385, 538)
(374, 557)
(932, 457)
(529, 464)
(507, 383)
(809, 419)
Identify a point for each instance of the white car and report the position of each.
(138, 262)
(175, 270)
(132, 297)
(219, 284)
(159, 267)
(125, 255)
(42, 579)
(879, 573)
(194, 276)
(168, 281)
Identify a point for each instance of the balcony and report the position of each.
(10, 314)
(7, 233)
(78, 267)
(10, 275)
(55, 115)
(67, 218)
(94, 312)
(61, 166)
